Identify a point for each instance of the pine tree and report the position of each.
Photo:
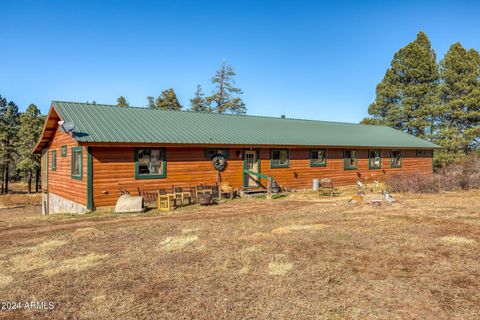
(407, 97)
(8, 137)
(224, 97)
(460, 95)
(167, 100)
(122, 102)
(31, 124)
(198, 102)
(3, 108)
(151, 102)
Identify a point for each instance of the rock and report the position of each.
(128, 203)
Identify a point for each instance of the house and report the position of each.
(90, 150)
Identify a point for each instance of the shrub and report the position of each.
(463, 174)
(414, 182)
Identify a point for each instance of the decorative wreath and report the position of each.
(219, 162)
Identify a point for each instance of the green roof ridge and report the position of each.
(213, 113)
(99, 123)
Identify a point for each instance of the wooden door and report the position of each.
(251, 163)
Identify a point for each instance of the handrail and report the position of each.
(270, 180)
(253, 173)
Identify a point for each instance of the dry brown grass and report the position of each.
(457, 240)
(18, 196)
(298, 227)
(299, 257)
(5, 280)
(14, 200)
(76, 264)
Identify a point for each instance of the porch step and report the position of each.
(253, 191)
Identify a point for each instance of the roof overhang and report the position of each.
(49, 129)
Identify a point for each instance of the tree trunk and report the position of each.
(30, 176)
(37, 179)
(5, 179)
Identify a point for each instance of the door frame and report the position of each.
(245, 175)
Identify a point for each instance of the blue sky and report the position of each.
(305, 59)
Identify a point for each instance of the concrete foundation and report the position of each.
(57, 204)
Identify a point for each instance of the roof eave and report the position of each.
(44, 138)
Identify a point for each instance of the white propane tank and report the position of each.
(316, 184)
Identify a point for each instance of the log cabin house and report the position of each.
(89, 150)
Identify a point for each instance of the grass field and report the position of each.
(297, 257)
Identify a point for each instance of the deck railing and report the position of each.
(270, 180)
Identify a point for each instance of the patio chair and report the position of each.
(201, 189)
(166, 200)
(225, 189)
(183, 195)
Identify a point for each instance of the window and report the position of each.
(318, 158)
(279, 158)
(76, 166)
(424, 153)
(350, 159)
(64, 151)
(374, 159)
(210, 153)
(54, 160)
(150, 163)
(396, 159)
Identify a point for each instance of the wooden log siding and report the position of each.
(114, 166)
(299, 174)
(60, 181)
(185, 167)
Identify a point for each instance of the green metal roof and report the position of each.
(107, 123)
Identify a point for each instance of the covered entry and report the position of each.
(251, 162)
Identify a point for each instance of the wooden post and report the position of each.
(219, 179)
(269, 188)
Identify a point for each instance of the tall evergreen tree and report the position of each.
(122, 102)
(460, 94)
(198, 102)
(407, 97)
(3, 108)
(224, 98)
(8, 137)
(151, 102)
(167, 100)
(31, 124)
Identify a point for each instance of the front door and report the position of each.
(250, 163)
